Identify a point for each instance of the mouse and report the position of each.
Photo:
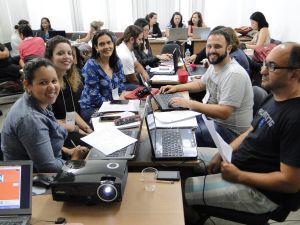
(41, 180)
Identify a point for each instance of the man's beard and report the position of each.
(219, 59)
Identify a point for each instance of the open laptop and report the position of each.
(201, 32)
(169, 143)
(170, 69)
(15, 192)
(127, 153)
(176, 34)
(162, 100)
(53, 33)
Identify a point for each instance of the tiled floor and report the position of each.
(293, 218)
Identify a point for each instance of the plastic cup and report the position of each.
(149, 175)
(182, 76)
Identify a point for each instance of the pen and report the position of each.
(73, 143)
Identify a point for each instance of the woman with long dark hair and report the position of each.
(103, 75)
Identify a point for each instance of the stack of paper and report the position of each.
(166, 78)
(132, 106)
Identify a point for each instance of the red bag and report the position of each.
(243, 30)
(261, 52)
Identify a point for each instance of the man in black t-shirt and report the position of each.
(265, 166)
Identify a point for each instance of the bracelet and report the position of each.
(76, 129)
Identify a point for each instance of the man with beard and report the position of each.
(230, 93)
(132, 37)
(265, 166)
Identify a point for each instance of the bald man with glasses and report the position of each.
(265, 167)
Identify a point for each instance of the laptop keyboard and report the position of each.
(171, 142)
(122, 151)
(164, 99)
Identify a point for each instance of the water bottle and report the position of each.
(187, 55)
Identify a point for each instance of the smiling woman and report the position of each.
(103, 74)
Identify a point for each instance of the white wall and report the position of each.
(282, 15)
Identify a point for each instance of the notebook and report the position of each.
(201, 32)
(127, 153)
(167, 143)
(176, 34)
(53, 33)
(15, 191)
(162, 100)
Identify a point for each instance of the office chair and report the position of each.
(169, 48)
(259, 94)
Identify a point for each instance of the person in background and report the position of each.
(66, 108)
(262, 37)
(30, 46)
(265, 166)
(45, 27)
(175, 22)
(154, 30)
(8, 70)
(132, 37)
(85, 51)
(103, 74)
(143, 53)
(230, 98)
(237, 53)
(30, 130)
(15, 41)
(195, 21)
(94, 27)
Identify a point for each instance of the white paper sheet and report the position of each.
(166, 78)
(104, 140)
(224, 148)
(133, 106)
(98, 126)
(175, 116)
(188, 123)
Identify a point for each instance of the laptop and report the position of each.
(169, 143)
(53, 33)
(15, 192)
(127, 153)
(176, 34)
(162, 100)
(170, 69)
(201, 32)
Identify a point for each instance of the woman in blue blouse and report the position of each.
(103, 75)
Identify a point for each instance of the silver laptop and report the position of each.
(127, 153)
(176, 34)
(201, 32)
(167, 143)
(15, 192)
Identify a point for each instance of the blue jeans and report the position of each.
(204, 138)
(130, 86)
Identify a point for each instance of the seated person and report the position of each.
(154, 30)
(237, 53)
(195, 21)
(45, 27)
(94, 27)
(143, 52)
(265, 166)
(133, 36)
(175, 22)
(8, 70)
(30, 46)
(230, 98)
(30, 131)
(66, 108)
(262, 37)
(103, 74)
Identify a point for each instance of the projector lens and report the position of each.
(107, 192)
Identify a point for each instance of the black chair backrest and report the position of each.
(169, 48)
(259, 95)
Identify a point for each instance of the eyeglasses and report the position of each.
(272, 66)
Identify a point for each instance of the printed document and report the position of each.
(132, 106)
(225, 149)
(104, 140)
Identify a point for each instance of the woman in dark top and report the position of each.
(45, 27)
(154, 30)
(66, 108)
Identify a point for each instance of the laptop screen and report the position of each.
(53, 33)
(15, 187)
(150, 120)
